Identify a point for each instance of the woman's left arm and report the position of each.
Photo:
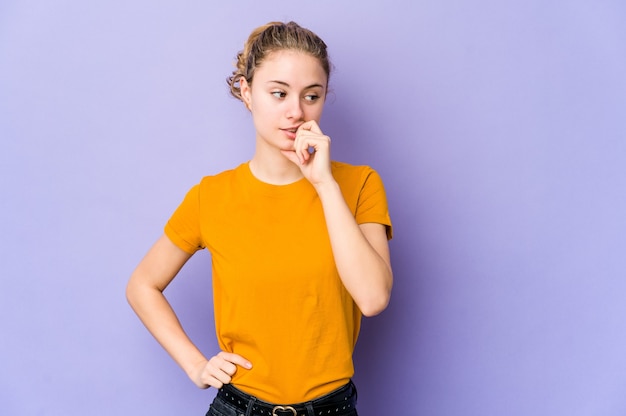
(361, 252)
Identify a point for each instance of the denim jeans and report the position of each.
(232, 402)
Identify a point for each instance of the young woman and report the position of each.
(299, 247)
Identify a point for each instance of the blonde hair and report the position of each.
(275, 36)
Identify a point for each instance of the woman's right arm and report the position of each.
(145, 295)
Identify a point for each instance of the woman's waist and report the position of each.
(292, 384)
(340, 397)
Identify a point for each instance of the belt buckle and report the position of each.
(284, 409)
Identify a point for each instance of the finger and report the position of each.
(228, 368)
(311, 125)
(235, 359)
(219, 378)
(300, 148)
(218, 372)
(212, 375)
(304, 153)
(306, 140)
(312, 138)
(215, 382)
(308, 146)
(220, 369)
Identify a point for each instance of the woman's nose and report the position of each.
(294, 110)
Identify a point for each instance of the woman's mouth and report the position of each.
(291, 133)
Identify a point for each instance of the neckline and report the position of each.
(272, 189)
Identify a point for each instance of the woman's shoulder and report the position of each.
(347, 171)
(223, 177)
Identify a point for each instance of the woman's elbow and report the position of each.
(136, 290)
(375, 305)
(131, 293)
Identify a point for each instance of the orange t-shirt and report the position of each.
(278, 299)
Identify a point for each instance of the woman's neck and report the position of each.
(274, 168)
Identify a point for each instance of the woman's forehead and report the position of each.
(291, 67)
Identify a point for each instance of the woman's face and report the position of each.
(288, 89)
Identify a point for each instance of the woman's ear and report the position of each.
(246, 93)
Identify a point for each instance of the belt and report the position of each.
(334, 403)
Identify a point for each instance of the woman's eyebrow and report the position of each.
(287, 85)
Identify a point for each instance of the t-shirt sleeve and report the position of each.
(372, 204)
(183, 227)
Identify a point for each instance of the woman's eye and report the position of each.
(311, 97)
(279, 94)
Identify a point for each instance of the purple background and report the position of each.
(497, 126)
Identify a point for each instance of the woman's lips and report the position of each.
(291, 132)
